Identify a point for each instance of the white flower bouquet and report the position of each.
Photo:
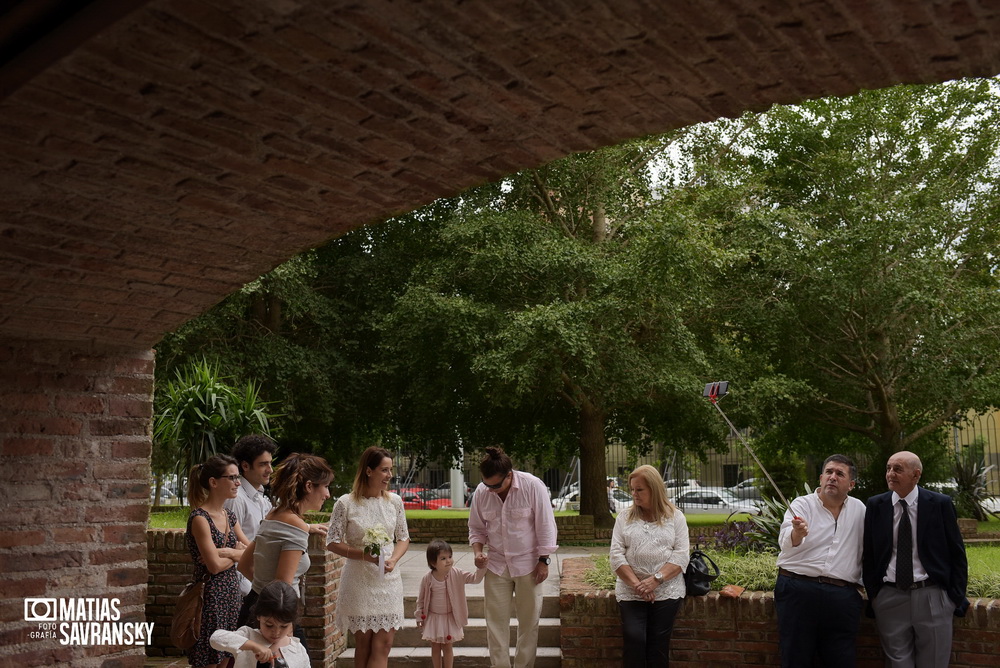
(375, 539)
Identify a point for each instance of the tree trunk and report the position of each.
(593, 468)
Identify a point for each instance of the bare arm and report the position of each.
(210, 556)
(245, 567)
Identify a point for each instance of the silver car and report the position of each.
(713, 501)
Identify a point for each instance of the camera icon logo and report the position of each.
(40, 610)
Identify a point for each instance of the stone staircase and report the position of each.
(409, 651)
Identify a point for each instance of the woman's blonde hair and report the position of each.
(659, 505)
(370, 459)
(288, 482)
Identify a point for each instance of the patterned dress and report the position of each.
(368, 601)
(222, 592)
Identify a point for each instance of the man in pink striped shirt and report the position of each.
(512, 515)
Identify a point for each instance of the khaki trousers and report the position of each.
(502, 593)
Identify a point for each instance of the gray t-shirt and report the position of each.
(273, 538)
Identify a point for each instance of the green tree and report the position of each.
(301, 333)
(197, 414)
(551, 312)
(866, 295)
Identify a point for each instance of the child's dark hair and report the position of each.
(278, 600)
(434, 550)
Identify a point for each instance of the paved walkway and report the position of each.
(414, 566)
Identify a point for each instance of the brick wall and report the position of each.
(74, 457)
(712, 631)
(170, 568)
(224, 137)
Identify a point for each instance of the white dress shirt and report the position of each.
(251, 506)
(833, 547)
(897, 513)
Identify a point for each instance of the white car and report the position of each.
(617, 501)
(620, 500)
(746, 489)
(569, 502)
(713, 501)
(167, 497)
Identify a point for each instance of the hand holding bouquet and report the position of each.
(375, 539)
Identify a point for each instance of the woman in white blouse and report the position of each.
(649, 552)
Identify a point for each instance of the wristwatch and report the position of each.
(657, 576)
(544, 560)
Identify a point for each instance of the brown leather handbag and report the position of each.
(185, 627)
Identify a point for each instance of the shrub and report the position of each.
(737, 537)
(752, 571)
(601, 576)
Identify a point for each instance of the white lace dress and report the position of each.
(368, 601)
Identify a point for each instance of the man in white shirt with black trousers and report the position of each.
(511, 514)
(817, 595)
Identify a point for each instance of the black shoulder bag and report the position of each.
(699, 577)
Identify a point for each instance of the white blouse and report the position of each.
(646, 547)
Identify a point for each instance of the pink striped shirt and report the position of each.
(517, 530)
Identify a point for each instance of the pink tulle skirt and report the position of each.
(441, 628)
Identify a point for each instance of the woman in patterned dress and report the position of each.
(216, 543)
(649, 552)
(370, 604)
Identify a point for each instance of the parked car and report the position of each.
(575, 486)
(746, 489)
(444, 492)
(712, 501)
(680, 483)
(422, 499)
(620, 500)
(569, 502)
(617, 501)
(167, 497)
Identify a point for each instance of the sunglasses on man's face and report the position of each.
(498, 485)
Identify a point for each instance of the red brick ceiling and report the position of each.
(180, 151)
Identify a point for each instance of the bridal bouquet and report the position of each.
(375, 539)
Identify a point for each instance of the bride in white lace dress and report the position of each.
(370, 604)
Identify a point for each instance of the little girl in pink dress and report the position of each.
(442, 611)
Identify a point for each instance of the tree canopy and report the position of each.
(836, 260)
(866, 297)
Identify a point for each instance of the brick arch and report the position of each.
(155, 161)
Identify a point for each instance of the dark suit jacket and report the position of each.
(939, 544)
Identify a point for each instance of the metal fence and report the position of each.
(718, 469)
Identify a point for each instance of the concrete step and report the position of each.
(465, 657)
(550, 606)
(475, 634)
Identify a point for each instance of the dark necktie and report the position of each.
(904, 549)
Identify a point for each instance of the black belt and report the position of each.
(916, 585)
(820, 578)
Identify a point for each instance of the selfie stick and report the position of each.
(714, 392)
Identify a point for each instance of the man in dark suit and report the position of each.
(914, 567)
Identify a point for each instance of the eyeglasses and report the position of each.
(234, 478)
(498, 485)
